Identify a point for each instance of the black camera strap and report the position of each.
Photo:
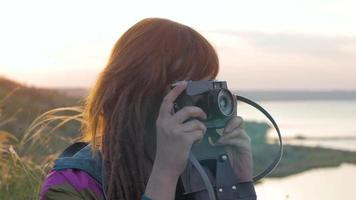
(280, 152)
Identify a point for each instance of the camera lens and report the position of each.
(225, 102)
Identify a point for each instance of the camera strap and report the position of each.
(277, 159)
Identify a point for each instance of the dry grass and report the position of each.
(26, 158)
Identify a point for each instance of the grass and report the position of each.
(27, 156)
(25, 161)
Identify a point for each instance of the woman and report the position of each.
(129, 120)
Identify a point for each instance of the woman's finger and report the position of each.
(235, 122)
(193, 125)
(238, 133)
(168, 100)
(189, 112)
(195, 136)
(238, 143)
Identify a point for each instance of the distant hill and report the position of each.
(297, 95)
(22, 103)
(73, 92)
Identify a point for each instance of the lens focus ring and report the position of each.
(225, 102)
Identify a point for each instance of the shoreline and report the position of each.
(296, 158)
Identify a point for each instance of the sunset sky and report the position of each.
(275, 44)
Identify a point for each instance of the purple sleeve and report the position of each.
(70, 184)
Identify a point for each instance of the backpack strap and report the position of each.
(73, 149)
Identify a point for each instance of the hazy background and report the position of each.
(276, 44)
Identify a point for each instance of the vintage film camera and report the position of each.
(213, 97)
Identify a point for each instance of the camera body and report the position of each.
(213, 97)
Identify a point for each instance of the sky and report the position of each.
(262, 45)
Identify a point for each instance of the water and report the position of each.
(330, 124)
(322, 184)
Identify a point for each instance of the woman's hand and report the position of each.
(238, 147)
(174, 141)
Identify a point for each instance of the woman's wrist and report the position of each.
(244, 167)
(162, 183)
(242, 163)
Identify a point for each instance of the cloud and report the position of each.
(255, 60)
(298, 44)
